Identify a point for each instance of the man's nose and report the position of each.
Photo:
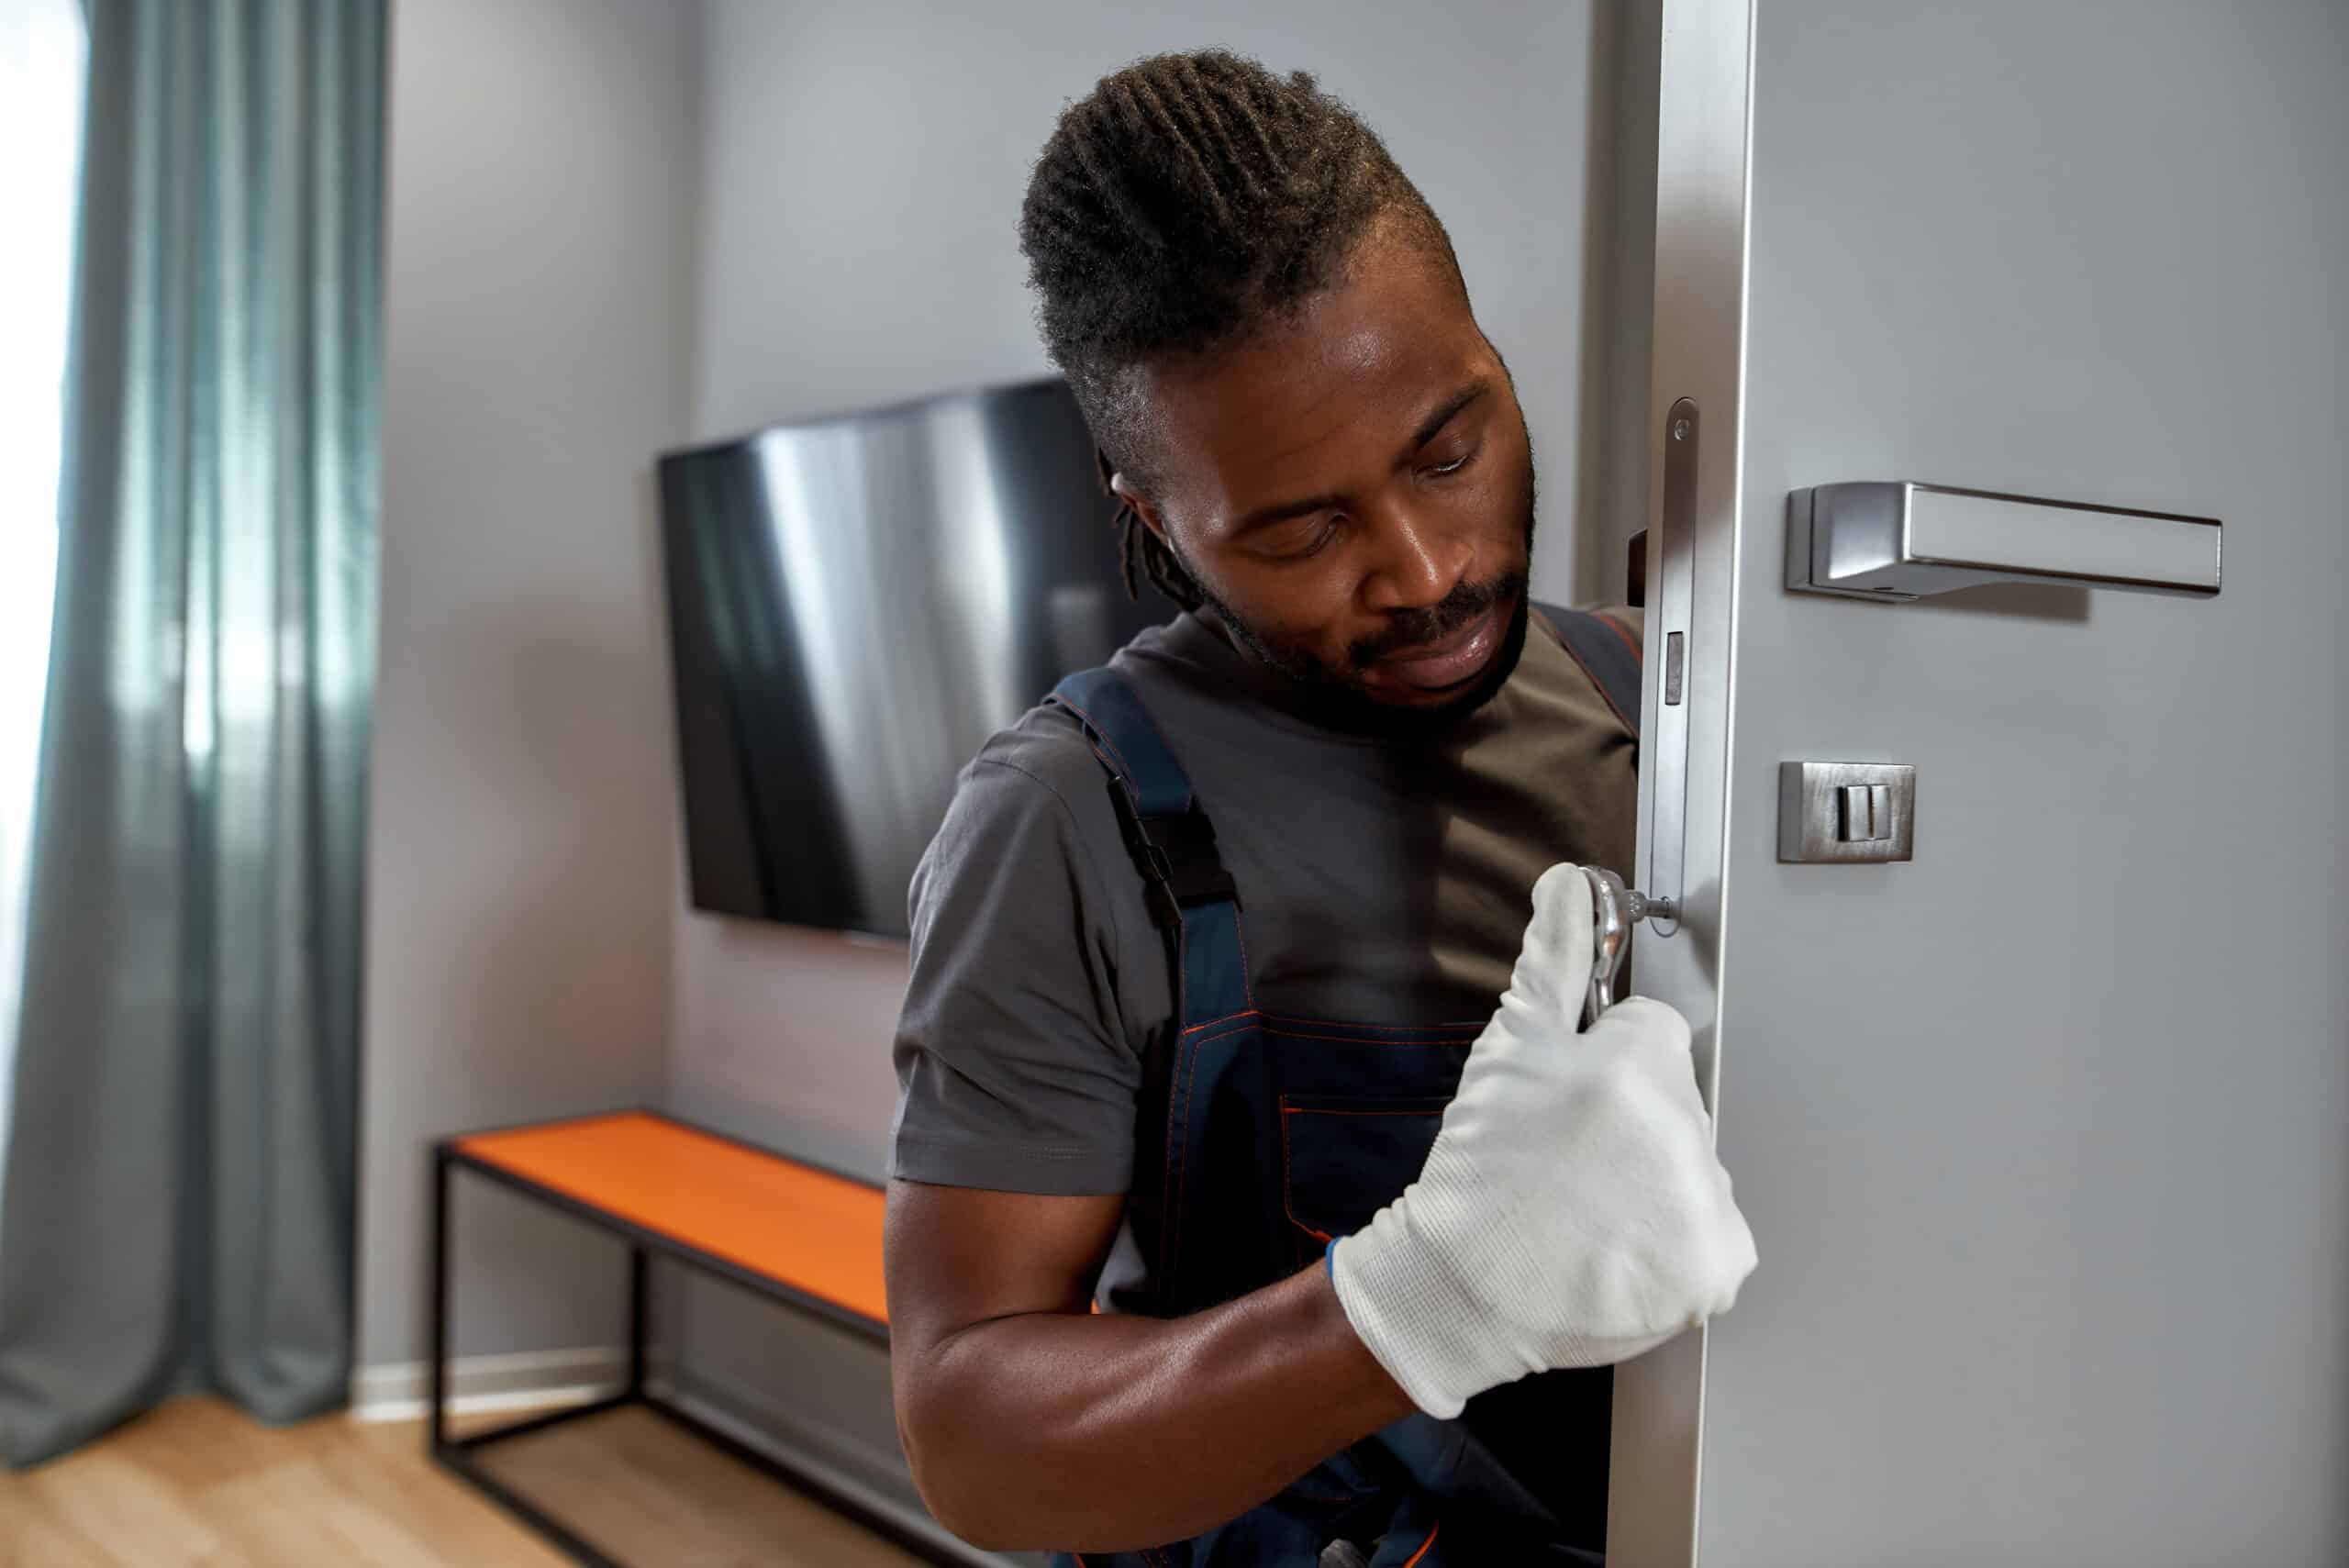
(1414, 562)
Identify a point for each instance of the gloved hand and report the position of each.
(1572, 1212)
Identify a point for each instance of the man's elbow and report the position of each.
(947, 1466)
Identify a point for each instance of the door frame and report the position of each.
(1703, 124)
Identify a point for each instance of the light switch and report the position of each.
(1847, 812)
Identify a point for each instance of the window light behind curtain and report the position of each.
(41, 62)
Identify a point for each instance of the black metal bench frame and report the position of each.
(459, 1455)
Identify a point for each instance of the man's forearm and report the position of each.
(1052, 1431)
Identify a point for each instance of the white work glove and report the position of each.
(1572, 1212)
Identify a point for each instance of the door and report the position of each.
(2044, 1132)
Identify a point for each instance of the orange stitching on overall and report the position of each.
(1288, 1161)
(1422, 1551)
(1456, 1034)
(1172, 1199)
(1102, 756)
(1227, 1017)
(1624, 632)
(1597, 685)
(1174, 1194)
(1282, 1021)
(1178, 1113)
(1177, 1153)
(1242, 1027)
(1247, 986)
(1289, 1198)
(1347, 1040)
(1094, 732)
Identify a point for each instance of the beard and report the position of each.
(1330, 699)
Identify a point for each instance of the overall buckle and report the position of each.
(1174, 851)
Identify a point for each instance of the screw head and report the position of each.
(1680, 430)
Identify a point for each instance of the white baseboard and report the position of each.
(400, 1391)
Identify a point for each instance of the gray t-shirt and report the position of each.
(1380, 882)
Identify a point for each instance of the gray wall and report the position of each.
(522, 883)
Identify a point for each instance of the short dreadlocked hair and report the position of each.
(1189, 202)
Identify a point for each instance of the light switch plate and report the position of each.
(1811, 813)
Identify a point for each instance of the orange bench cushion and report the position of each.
(807, 1228)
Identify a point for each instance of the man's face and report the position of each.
(1354, 492)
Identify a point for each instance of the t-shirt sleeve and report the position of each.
(1014, 1072)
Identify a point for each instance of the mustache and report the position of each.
(1407, 629)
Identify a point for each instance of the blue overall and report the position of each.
(1260, 1138)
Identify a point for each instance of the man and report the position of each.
(1230, 1222)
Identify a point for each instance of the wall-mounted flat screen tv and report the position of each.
(855, 603)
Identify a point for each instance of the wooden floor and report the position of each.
(195, 1483)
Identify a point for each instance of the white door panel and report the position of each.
(2046, 1135)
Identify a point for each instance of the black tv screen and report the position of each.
(855, 603)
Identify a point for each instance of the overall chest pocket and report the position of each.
(1343, 1158)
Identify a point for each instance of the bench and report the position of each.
(784, 1229)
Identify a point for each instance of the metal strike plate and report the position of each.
(1846, 813)
(1664, 751)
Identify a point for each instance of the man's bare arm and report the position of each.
(1032, 1425)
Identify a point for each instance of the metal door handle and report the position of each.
(1615, 910)
(1899, 540)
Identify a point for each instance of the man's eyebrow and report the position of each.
(1444, 414)
(1306, 506)
(1281, 511)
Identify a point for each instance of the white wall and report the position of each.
(538, 331)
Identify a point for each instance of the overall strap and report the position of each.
(1607, 653)
(1191, 897)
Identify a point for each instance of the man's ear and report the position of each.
(1123, 489)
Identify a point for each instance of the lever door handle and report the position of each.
(1899, 540)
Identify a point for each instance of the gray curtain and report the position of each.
(178, 1204)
